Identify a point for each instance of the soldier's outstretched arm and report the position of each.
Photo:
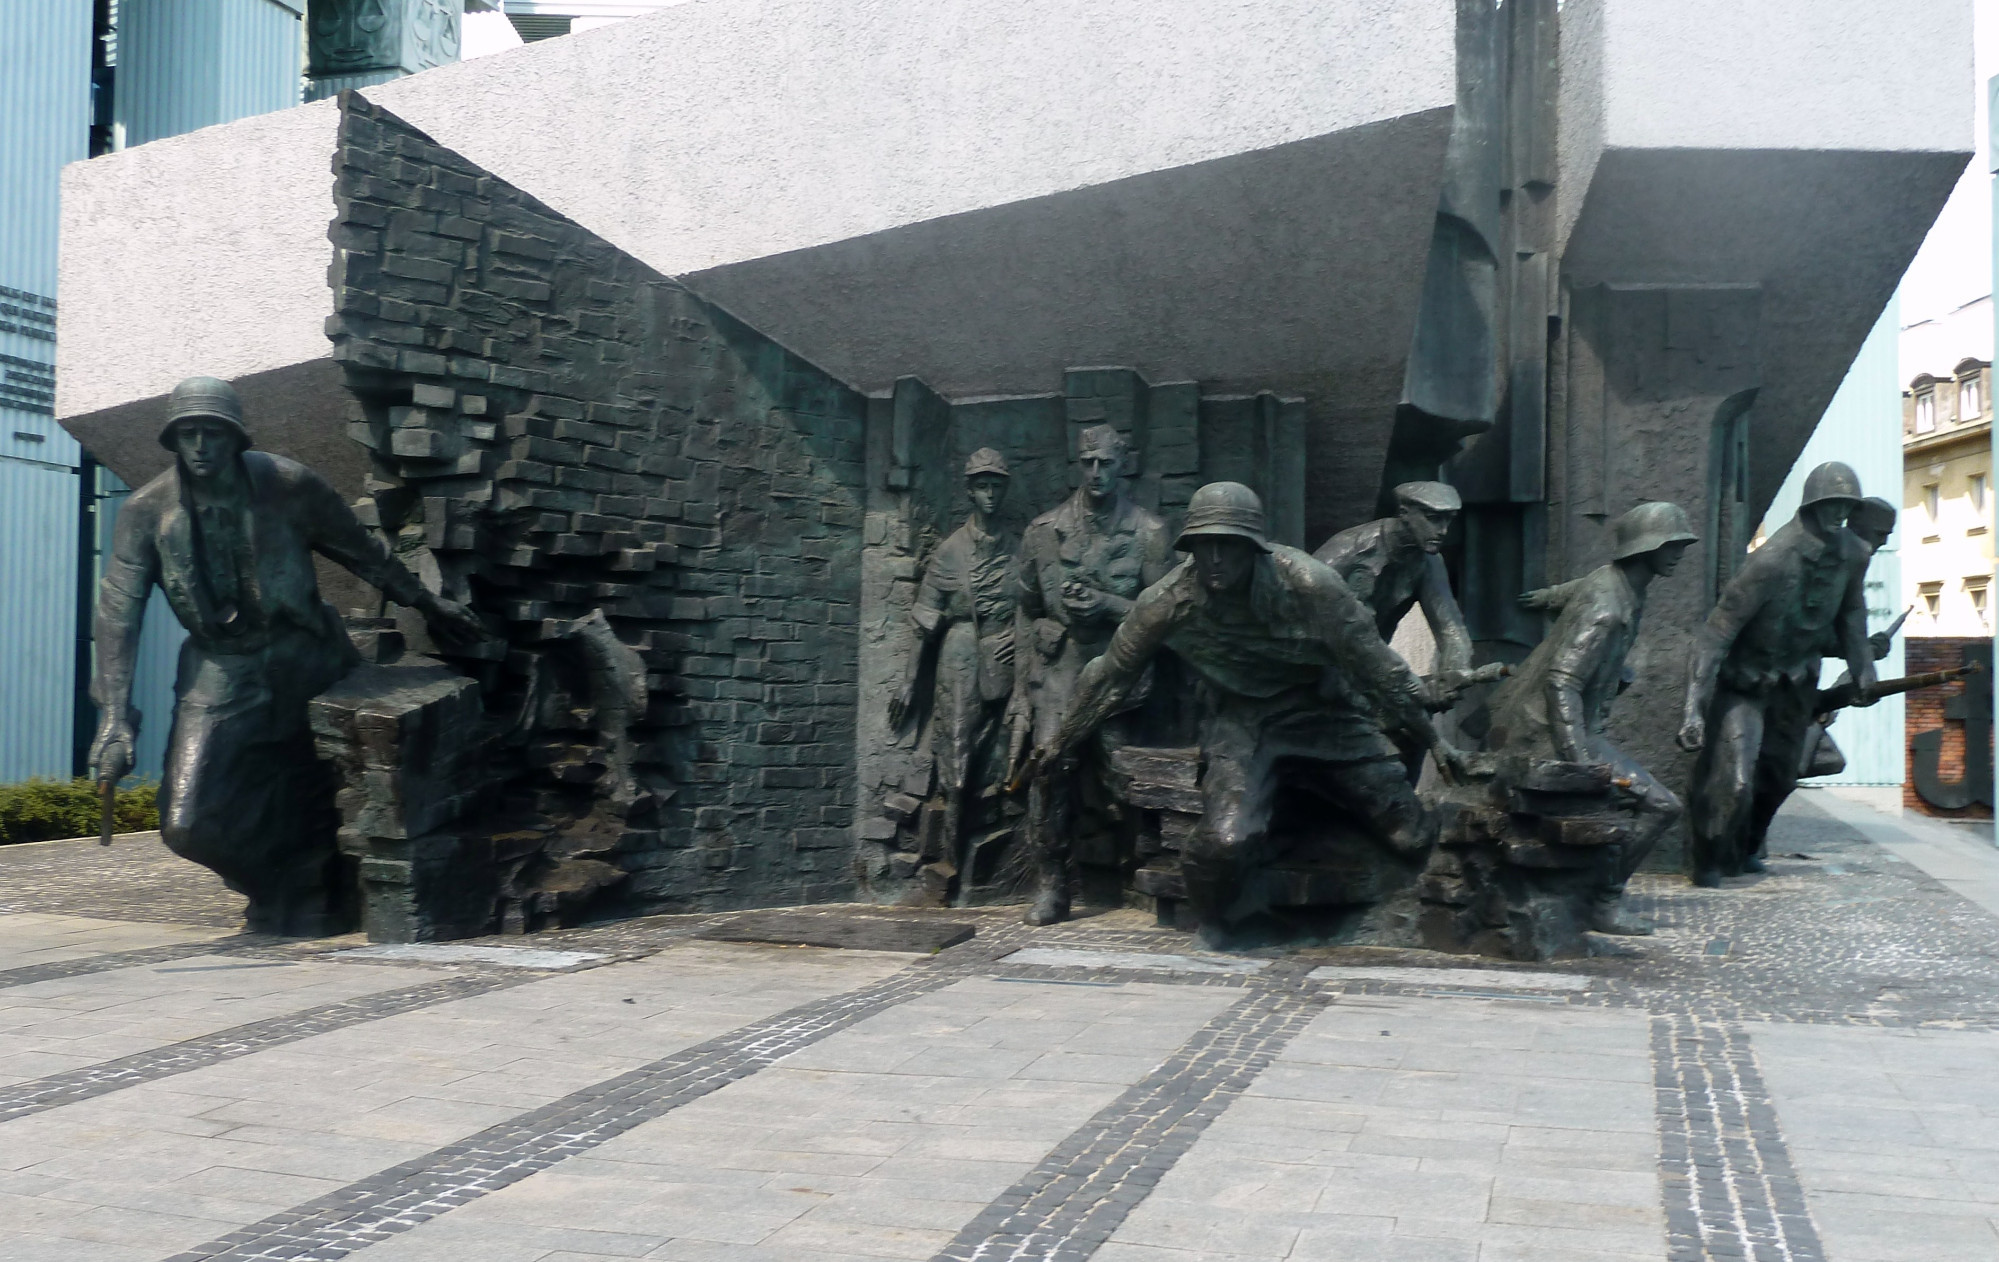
(1859, 650)
(1346, 626)
(1447, 621)
(128, 580)
(334, 530)
(1741, 599)
(1104, 683)
(927, 626)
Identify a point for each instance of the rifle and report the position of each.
(1848, 693)
(1446, 685)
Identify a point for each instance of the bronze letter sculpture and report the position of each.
(228, 534)
(1554, 707)
(1290, 661)
(964, 623)
(1082, 564)
(1752, 684)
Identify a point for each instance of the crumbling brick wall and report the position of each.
(557, 429)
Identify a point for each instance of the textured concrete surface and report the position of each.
(1798, 1067)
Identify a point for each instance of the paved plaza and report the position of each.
(1804, 1066)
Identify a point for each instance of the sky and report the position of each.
(1953, 270)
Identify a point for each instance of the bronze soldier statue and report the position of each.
(1393, 564)
(964, 623)
(1554, 707)
(1752, 683)
(228, 534)
(1873, 520)
(1297, 682)
(1082, 564)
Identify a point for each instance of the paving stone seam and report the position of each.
(56, 970)
(37, 1095)
(1725, 1173)
(1078, 1195)
(396, 1199)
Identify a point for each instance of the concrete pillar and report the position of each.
(187, 64)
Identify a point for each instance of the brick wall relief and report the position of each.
(658, 508)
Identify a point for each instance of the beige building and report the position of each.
(1947, 500)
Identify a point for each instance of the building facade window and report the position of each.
(1926, 412)
(1932, 594)
(1969, 404)
(1975, 588)
(1931, 501)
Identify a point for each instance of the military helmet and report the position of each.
(986, 460)
(209, 397)
(1831, 481)
(1649, 527)
(1103, 441)
(1873, 515)
(1224, 508)
(1433, 497)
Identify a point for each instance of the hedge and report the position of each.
(38, 810)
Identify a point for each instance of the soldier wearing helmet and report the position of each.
(1082, 564)
(1555, 705)
(228, 535)
(1283, 650)
(963, 621)
(1754, 674)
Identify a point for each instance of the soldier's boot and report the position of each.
(1754, 863)
(1050, 904)
(1610, 915)
(1708, 877)
(1048, 848)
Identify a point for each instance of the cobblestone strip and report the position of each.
(1069, 1205)
(401, 1197)
(28, 974)
(24, 1098)
(1730, 1191)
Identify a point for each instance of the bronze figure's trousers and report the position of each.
(244, 794)
(1659, 811)
(1747, 769)
(1249, 751)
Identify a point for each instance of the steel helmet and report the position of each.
(204, 397)
(1224, 508)
(1434, 497)
(1649, 527)
(1874, 515)
(986, 460)
(1831, 481)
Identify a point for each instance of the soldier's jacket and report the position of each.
(1302, 631)
(1584, 655)
(291, 512)
(1130, 552)
(1390, 581)
(971, 580)
(1783, 609)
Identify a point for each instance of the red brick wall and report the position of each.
(1925, 713)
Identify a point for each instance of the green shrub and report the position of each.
(39, 810)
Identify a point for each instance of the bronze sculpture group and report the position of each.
(1032, 655)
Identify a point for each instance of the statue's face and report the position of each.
(1828, 515)
(988, 492)
(205, 445)
(1870, 535)
(352, 35)
(1426, 527)
(1101, 471)
(1666, 557)
(1223, 563)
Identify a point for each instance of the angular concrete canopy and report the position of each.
(983, 194)
(1801, 145)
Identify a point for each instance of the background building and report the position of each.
(1946, 499)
